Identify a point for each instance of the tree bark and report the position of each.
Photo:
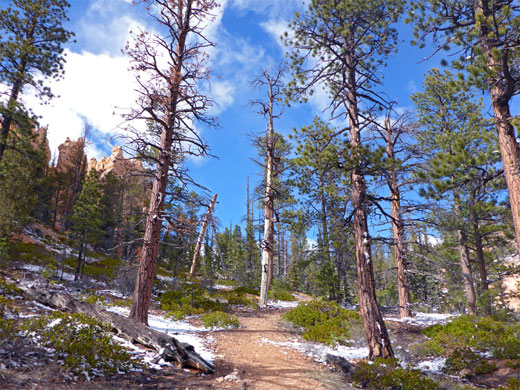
(466, 272)
(403, 287)
(465, 265)
(267, 247)
(377, 336)
(169, 348)
(80, 254)
(510, 158)
(501, 86)
(200, 240)
(148, 262)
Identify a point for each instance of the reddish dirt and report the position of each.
(260, 365)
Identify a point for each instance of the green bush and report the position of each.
(387, 374)
(246, 290)
(95, 299)
(219, 319)
(323, 321)
(512, 384)
(464, 360)
(188, 300)
(242, 300)
(8, 326)
(484, 334)
(280, 291)
(427, 348)
(82, 344)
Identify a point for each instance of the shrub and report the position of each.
(469, 363)
(280, 292)
(242, 300)
(8, 326)
(81, 343)
(512, 384)
(323, 321)
(427, 348)
(385, 374)
(95, 299)
(246, 290)
(189, 299)
(219, 319)
(481, 334)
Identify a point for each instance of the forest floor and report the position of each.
(263, 353)
(250, 357)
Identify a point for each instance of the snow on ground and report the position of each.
(181, 330)
(282, 304)
(434, 365)
(320, 351)
(424, 319)
(222, 287)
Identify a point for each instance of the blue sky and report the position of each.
(97, 85)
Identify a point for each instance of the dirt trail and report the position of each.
(260, 365)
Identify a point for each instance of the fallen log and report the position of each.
(168, 348)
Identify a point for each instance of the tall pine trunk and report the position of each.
(465, 265)
(403, 287)
(501, 86)
(377, 336)
(148, 263)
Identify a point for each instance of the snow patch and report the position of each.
(432, 365)
(424, 319)
(320, 351)
(282, 304)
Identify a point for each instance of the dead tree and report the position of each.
(273, 83)
(170, 68)
(200, 240)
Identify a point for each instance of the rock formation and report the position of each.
(117, 165)
(71, 156)
(70, 172)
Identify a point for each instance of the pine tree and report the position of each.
(21, 170)
(348, 41)
(461, 152)
(31, 46)
(87, 219)
(486, 35)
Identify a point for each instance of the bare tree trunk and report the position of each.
(466, 272)
(78, 267)
(484, 285)
(267, 247)
(148, 264)
(377, 336)
(200, 240)
(403, 287)
(502, 87)
(465, 265)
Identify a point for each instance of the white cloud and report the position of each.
(93, 88)
(222, 92)
(272, 8)
(276, 28)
